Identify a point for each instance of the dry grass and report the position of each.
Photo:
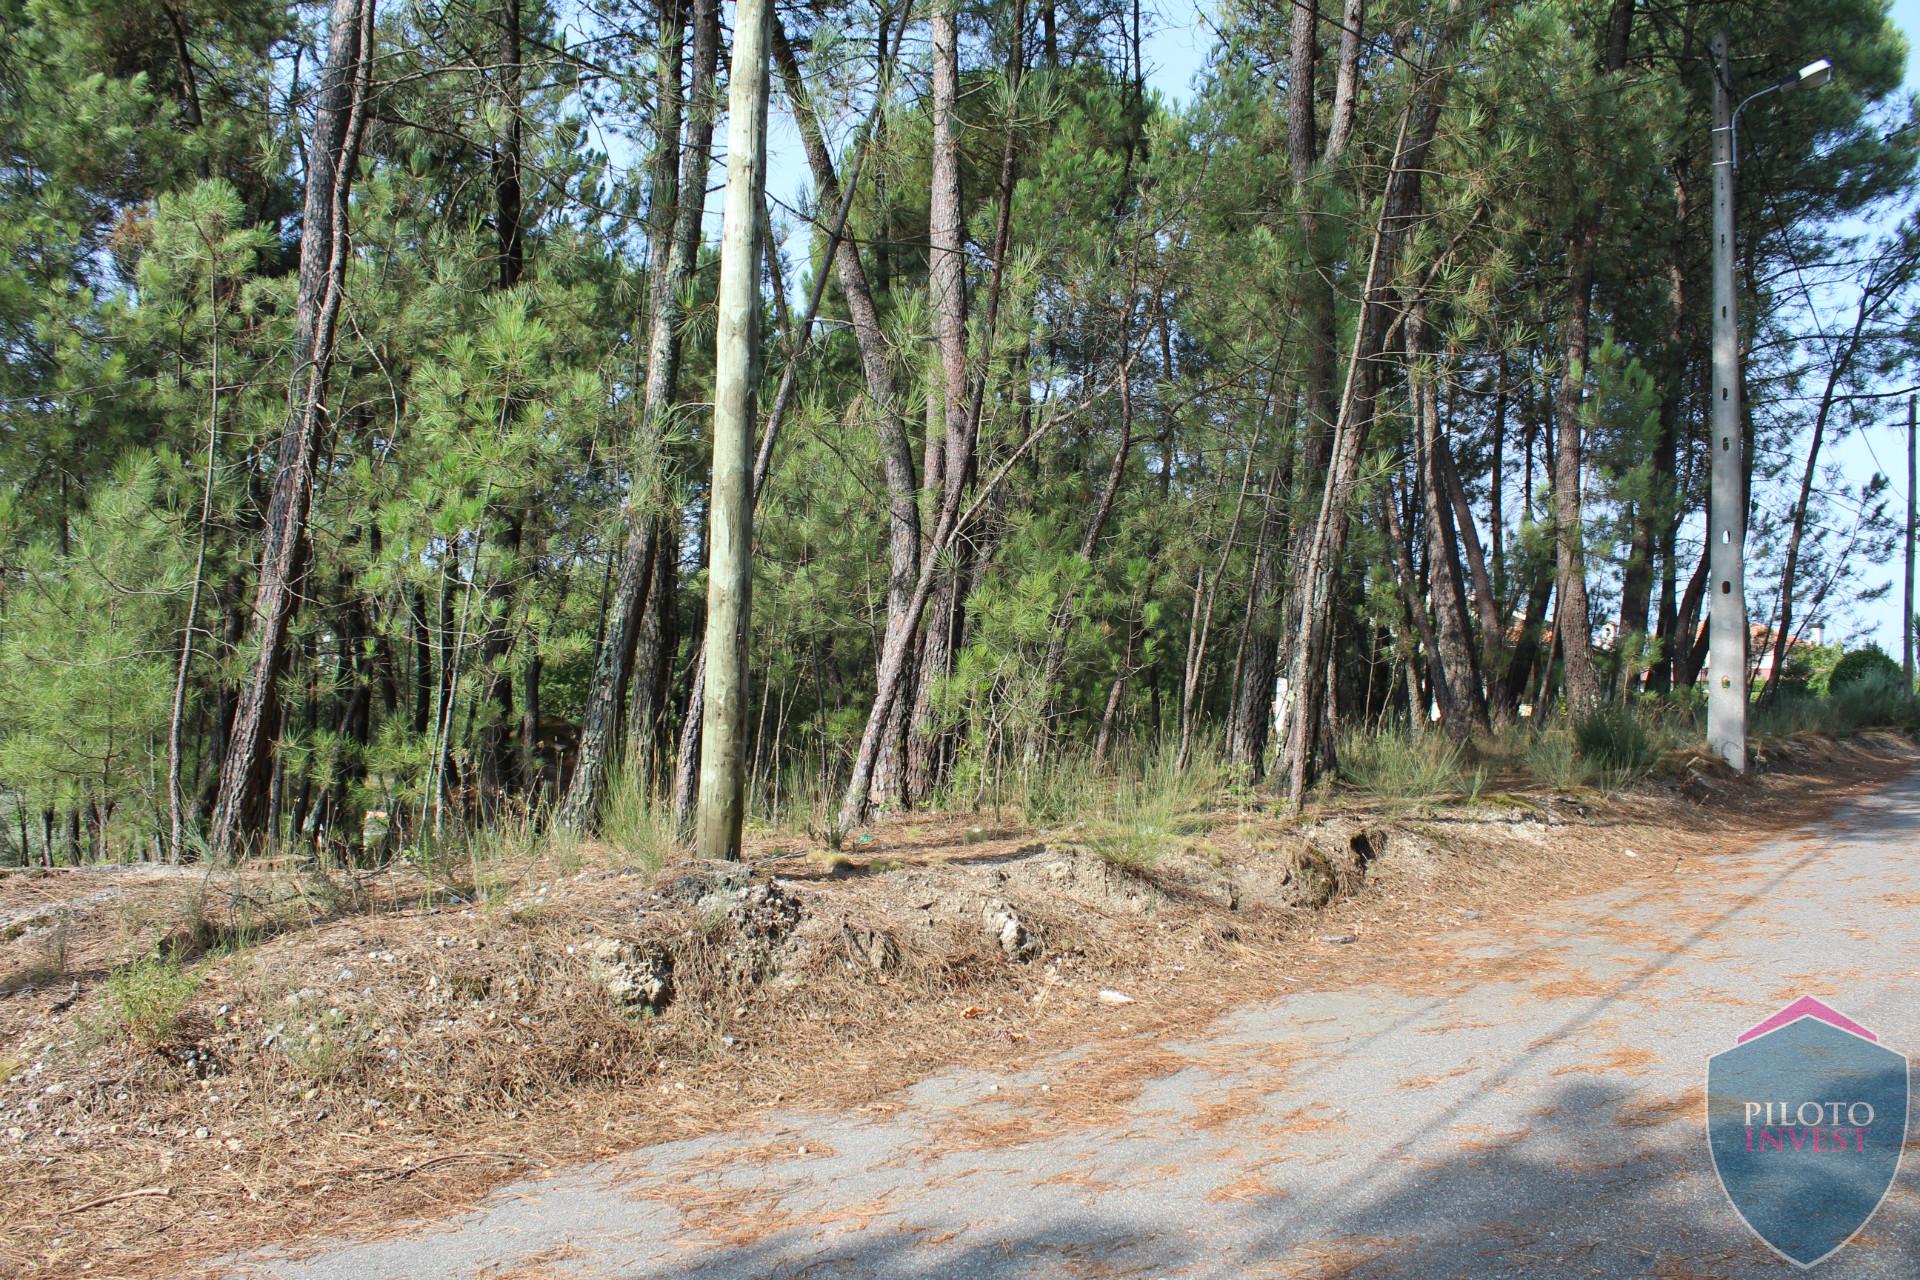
(363, 1052)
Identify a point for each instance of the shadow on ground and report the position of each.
(1604, 1183)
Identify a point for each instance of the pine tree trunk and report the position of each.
(948, 287)
(1574, 633)
(679, 186)
(497, 767)
(1462, 706)
(1574, 626)
(239, 815)
(1309, 745)
(896, 449)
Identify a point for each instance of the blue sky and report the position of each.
(1176, 50)
(1881, 447)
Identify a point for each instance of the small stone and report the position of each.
(1005, 927)
(1338, 939)
(1114, 997)
(201, 1132)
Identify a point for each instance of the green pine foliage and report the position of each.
(1141, 368)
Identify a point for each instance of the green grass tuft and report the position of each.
(144, 1000)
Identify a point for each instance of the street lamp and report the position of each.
(1727, 498)
(1811, 76)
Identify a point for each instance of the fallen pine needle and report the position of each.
(459, 1157)
(124, 1195)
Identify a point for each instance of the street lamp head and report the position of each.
(1812, 76)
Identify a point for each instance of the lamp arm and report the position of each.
(1733, 121)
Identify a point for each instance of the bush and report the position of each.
(1553, 757)
(1875, 700)
(1863, 665)
(1615, 740)
(1407, 764)
(637, 828)
(144, 1000)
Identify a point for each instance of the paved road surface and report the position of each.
(1517, 1102)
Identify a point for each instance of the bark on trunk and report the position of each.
(1581, 681)
(499, 774)
(1462, 707)
(1574, 634)
(1309, 736)
(947, 283)
(240, 815)
(896, 449)
(678, 171)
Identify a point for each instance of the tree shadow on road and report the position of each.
(1604, 1182)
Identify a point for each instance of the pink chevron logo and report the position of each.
(1806, 1007)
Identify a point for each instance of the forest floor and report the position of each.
(196, 1063)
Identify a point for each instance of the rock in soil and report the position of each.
(1006, 928)
(637, 976)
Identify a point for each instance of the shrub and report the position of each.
(1860, 666)
(1553, 758)
(323, 1052)
(1615, 740)
(638, 829)
(1143, 805)
(1876, 699)
(1407, 764)
(144, 1000)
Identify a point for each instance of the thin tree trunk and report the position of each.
(1840, 363)
(1486, 597)
(1409, 583)
(1574, 630)
(1575, 635)
(679, 187)
(1310, 743)
(176, 811)
(238, 814)
(496, 766)
(948, 286)
(1462, 707)
(896, 450)
(1062, 621)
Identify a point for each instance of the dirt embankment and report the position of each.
(318, 1054)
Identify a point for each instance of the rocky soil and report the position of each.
(347, 1053)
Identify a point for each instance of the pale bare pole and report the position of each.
(1726, 502)
(722, 793)
(1906, 619)
(1727, 497)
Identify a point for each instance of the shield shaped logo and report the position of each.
(1806, 1118)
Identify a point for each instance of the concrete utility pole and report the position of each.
(1906, 618)
(722, 793)
(1726, 503)
(1727, 500)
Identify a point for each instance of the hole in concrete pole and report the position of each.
(1726, 587)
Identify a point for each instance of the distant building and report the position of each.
(1760, 649)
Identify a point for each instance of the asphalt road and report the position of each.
(1523, 1101)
